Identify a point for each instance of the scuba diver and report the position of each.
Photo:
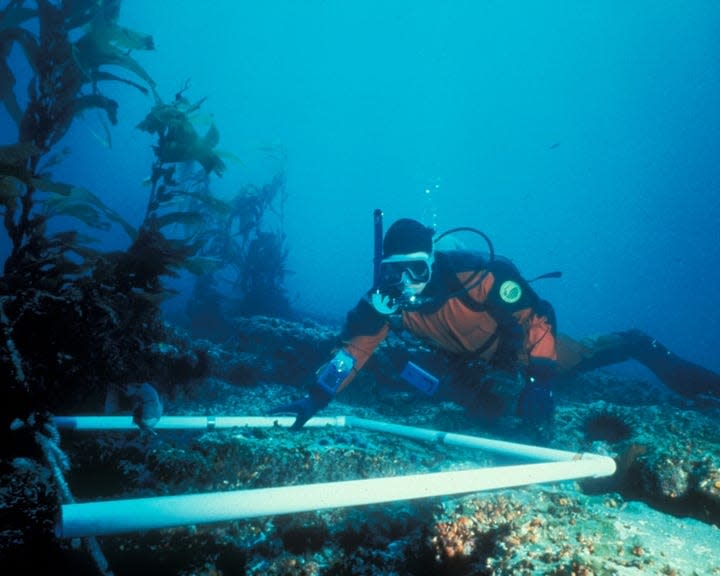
(499, 338)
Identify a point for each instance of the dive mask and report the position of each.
(402, 278)
(405, 269)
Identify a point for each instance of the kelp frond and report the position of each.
(9, 34)
(107, 44)
(15, 14)
(80, 203)
(67, 73)
(178, 140)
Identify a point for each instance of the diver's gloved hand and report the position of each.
(536, 404)
(305, 408)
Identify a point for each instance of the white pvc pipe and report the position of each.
(118, 516)
(216, 422)
(187, 422)
(465, 441)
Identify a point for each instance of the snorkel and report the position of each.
(378, 250)
(382, 301)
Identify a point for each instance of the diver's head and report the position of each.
(406, 236)
(407, 261)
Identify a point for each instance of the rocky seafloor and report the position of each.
(659, 514)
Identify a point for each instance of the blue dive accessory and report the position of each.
(334, 372)
(420, 379)
(536, 404)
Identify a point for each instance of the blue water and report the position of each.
(580, 136)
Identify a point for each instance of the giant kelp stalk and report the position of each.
(74, 319)
(57, 320)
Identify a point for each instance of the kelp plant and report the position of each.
(249, 245)
(73, 318)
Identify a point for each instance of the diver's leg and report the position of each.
(684, 377)
(590, 353)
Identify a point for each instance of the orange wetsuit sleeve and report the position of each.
(361, 348)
